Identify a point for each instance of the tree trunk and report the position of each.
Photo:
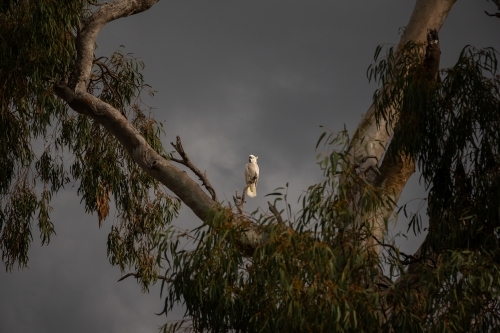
(371, 139)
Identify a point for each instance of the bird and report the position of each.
(252, 175)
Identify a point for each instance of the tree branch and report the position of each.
(75, 94)
(497, 2)
(275, 212)
(240, 201)
(91, 27)
(371, 139)
(140, 151)
(408, 258)
(160, 277)
(187, 162)
(495, 14)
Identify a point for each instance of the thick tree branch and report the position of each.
(141, 152)
(371, 139)
(91, 27)
(187, 162)
(392, 177)
(158, 167)
(397, 168)
(191, 194)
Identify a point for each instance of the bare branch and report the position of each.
(275, 212)
(496, 14)
(497, 2)
(187, 162)
(408, 258)
(240, 201)
(237, 202)
(160, 277)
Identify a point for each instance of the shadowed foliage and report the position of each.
(318, 270)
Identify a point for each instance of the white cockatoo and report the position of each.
(252, 175)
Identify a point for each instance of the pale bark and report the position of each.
(90, 29)
(371, 139)
(367, 147)
(141, 152)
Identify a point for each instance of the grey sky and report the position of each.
(233, 78)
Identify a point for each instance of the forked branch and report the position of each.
(187, 162)
(91, 27)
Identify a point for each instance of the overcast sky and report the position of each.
(233, 78)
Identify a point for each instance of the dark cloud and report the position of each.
(233, 78)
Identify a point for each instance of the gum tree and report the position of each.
(320, 270)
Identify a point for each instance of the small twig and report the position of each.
(113, 74)
(275, 212)
(106, 68)
(408, 258)
(496, 14)
(240, 201)
(117, 93)
(160, 277)
(187, 162)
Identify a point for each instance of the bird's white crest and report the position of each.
(252, 175)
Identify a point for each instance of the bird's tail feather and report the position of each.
(252, 190)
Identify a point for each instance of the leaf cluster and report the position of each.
(37, 40)
(451, 129)
(315, 275)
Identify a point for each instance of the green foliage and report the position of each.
(37, 39)
(314, 272)
(314, 275)
(458, 292)
(451, 128)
